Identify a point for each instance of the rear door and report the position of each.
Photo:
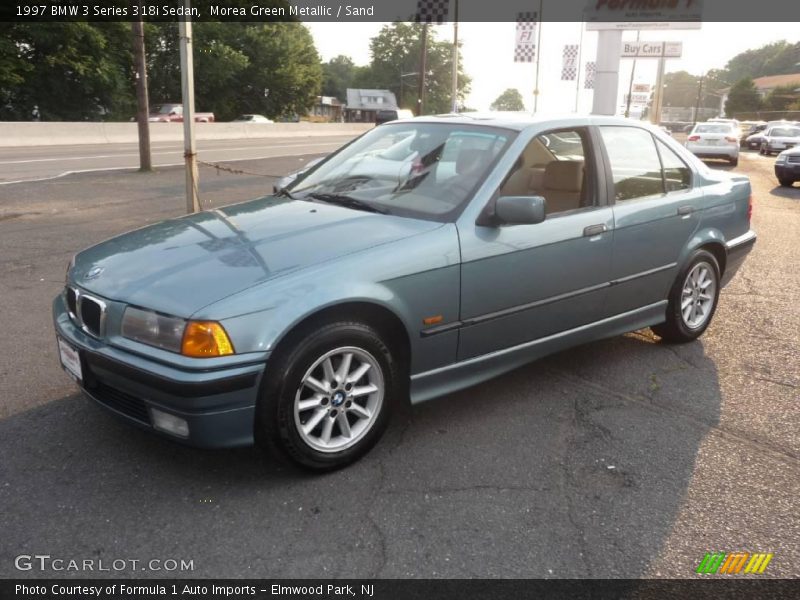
(656, 210)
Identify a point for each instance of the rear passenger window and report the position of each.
(677, 175)
(635, 165)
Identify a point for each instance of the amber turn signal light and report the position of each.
(204, 339)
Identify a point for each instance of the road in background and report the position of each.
(41, 162)
(622, 458)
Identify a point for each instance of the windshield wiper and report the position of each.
(348, 201)
(285, 193)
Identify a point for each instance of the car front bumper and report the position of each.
(218, 406)
(787, 171)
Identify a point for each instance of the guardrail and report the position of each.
(15, 134)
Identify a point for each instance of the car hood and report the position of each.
(181, 265)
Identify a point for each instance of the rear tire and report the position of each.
(734, 161)
(692, 300)
(786, 182)
(322, 409)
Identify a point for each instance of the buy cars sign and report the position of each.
(652, 49)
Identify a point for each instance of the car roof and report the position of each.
(520, 120)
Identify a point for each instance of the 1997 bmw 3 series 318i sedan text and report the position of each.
(425, 256)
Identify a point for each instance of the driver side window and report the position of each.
(554, 165)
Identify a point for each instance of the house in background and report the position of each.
(327, 109)
(764, 85)
(363, 104)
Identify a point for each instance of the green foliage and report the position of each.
(396, 50)
(782, 97)
(84, 71)
(65, 71)
(778, 58)
(682, 89)
(338, 74)
(266, 68)
(743, 97)
(511, 99)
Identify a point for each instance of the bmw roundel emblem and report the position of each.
(93, 273)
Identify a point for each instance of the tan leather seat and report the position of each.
(563, 182)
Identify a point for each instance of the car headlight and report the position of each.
(198, 339)
(782, 158)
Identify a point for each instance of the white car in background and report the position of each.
(252, 119)
(718, 139)
(779, 138)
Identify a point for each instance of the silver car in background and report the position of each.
(779, 138)
(715, 140)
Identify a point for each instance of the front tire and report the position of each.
(692, 300)
(328, 399)
(786, 182)
(734, 161)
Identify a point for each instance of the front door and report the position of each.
(524, 282)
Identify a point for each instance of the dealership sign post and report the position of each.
(637, 15)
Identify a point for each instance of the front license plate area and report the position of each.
(70, 360)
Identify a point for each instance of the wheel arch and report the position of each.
(383, 319)
(712, 241)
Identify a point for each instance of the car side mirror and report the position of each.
(520, 210)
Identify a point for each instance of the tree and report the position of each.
(240, 67)
(65, 71)
(511, 99)
(782, 97)
(338, 74)
(743, 97)
(777, 58)
(395, 52)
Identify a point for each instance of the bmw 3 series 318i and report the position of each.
(423, 257)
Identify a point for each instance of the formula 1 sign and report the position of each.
(643, 14)
(652, 49)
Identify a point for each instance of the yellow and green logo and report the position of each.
(733, 563)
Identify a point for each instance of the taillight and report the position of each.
(694, 138)
(750, 207)
(731, 139)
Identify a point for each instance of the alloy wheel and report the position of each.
(339, 399)
(697, 298)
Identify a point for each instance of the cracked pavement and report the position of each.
(621, 458)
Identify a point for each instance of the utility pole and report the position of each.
(454, 107)
(142, 101)
(423, 67)
(658, 98)
(187, 88)
(578, 69)
(699, 96)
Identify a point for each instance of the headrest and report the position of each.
(564, 175)
(472, 160)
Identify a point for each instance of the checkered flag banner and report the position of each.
(525, 48)
(432, 11)
(569, 64)
(591, 70)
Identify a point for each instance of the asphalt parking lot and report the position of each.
(622, 458)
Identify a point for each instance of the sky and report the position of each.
(488, 55)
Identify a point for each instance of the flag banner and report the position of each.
(432, 11)
(569, 64)
(591, 70)
(525, 48)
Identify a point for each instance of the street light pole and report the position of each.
(423, 66)
(454, 106)
(187, 88)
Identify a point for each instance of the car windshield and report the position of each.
(785, 132)
(420, 170)
(713, 128)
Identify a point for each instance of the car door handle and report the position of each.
(685, 210)
(593, 230)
